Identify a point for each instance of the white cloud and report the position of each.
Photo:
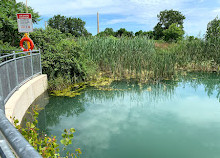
(217, 11)
(137, 11)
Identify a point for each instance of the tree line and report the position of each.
(169, 27)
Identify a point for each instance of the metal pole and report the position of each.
(26, 7)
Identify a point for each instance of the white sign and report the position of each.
(24, 22)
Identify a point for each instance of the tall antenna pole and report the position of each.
(26, 7)
(97, 22)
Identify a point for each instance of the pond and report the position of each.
(170, 119)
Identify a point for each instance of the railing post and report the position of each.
(1, 97)
(40, 62)
(2, 105)
(9, 86)
(16, 69)
(23, 68)
(32, 68)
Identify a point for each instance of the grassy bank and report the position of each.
(129, 57)
(147, 59)
(68, 60)
(141, 58)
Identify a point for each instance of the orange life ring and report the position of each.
(29, 40)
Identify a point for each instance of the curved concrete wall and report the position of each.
(20, 101)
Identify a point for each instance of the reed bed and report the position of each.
(140, 58)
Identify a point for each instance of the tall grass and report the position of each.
(129, 57)
(198, 54)
(147, 59)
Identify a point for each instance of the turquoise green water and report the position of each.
(172, 119)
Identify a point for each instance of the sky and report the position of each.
(133, 15)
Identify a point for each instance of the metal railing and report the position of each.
(15, 70)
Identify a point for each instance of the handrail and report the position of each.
(15, 70)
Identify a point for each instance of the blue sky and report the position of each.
(134, 15)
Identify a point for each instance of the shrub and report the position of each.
(174, 32)
(45, 145)
(61, 55)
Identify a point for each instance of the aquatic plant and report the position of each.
(45, 145)
(129, 57)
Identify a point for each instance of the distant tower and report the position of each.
(97, 22)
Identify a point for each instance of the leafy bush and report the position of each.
(6, 46)
(174, 32)
(213, 30)
(61, 55)
(45, 145)
(8, 21)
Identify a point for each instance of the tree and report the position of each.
(158, 31)
(107, 32)
(75, 26)
(150, 34)
(173, 33)
(213, 30)
(139, 33)
(8, 20)
(167, 18)
(123, 32)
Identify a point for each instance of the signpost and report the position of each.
(24, 22)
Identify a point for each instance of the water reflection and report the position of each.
(168, 119)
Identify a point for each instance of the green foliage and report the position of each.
(66, 140)
(122, 32)
(197, 54)
(8, 21)
(59, 83)
(158, 31)
(130, 58)
(45, 145)
(61, 55)
(174, 32)
(149, 34)
(139, 33)
(6, 46)
(107, 32)
(166, 19)
(190, 38)
(141, 58)
(74, 26)
(213, 30)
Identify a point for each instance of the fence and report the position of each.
(15, 70)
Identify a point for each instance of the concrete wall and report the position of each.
(20, 101)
